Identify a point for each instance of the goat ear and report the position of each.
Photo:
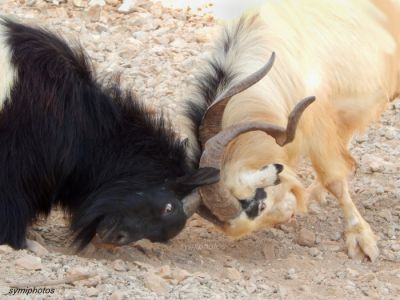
(202, 176)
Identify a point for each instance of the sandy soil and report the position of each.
(157, 50)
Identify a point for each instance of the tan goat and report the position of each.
(347, 54)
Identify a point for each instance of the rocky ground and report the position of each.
(156, 51)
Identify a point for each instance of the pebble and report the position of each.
(37, 248)
(314, 252)
(306, 237)
(119, 265)
(232, 274)
(78, 3)
(127, 6)
(118, 295)
(92, 292)
(395, 247)
(93, 13)
(179, 43)
(4, 249)
(352, 272)
(291, 274)
(165, 272)
(156, 284)
(97, 2)
(29, 262)
(179, 275)
(112, 2)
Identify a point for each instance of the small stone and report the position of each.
(29, 262)
(97, 2)
(4, 249)
(305, 288)
(36, 248)
(165, 272)
(77, 271)
(306, 238)
(269, 251)
(81, 271)
(101, 28)
(119, 265)
(118, 295)
(232, 274)
(395, 247)
(144, 246)
(314, 251)
(71, 295)
(112, 2)
(336, 236)
(78, 3)
(127, 6)
(180, 275)
(375, 166)
(92, 292)
(352, 272)
(179, 43)
(291, 274)
(331, 246)
(251, 287)
(156, 284)
(128, 52)
(93, 13)
(59, 12)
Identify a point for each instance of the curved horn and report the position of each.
(211, 122)
(191, 203)
(216, 196)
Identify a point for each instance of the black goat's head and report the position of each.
(120, 213)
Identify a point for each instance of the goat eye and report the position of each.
(168, 209)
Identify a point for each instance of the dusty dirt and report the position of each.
(156, 50)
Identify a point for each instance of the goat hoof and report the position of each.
(362, 242)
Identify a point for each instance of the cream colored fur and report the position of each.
(7, 73)
(344, 52)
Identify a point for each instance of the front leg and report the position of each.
(360, 239)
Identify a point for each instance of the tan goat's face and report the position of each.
(280, 203)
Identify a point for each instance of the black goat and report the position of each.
(67, 140)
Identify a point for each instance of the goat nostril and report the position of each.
(262, 206)
(278, 167)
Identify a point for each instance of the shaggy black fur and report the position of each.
(67, 140)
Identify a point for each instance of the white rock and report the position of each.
(78, 3)
(97, 2)
(179, 43)
(127, 6)
(119, 265)
(37, 248)
(118, 295)
(179, 275)
(314, 251)
(232, 274)
(29, 262)
(93, 13)
(112, 2)
(5, 249)
(156, 284)
(92, 292)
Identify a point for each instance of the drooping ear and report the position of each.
(200, 177)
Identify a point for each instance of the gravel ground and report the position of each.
(156, 51)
